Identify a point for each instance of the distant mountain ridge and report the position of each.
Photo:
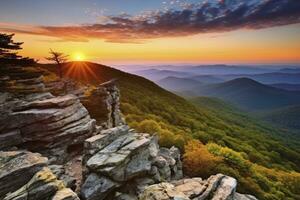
(178, 84)
(250, 95)
(286, 86)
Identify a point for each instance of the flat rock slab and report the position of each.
(57, 102)
(217, 187)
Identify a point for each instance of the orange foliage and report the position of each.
(198, 161)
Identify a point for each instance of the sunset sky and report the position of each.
(157, 31)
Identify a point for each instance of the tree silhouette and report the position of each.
(58, 58)
(8, 51)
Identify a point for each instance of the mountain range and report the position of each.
(150, 108)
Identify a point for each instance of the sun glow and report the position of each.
(78, 57)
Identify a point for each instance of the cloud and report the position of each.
(206, 17)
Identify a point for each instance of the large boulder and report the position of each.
(104, 105)
(17, 168)
(43, 185)
(97, 187)
(129, 161)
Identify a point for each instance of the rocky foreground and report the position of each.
(50, 148)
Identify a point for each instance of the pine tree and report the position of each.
(8, 51)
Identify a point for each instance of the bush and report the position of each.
(198, 161)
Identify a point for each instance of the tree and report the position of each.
(59, 58)
(8, 51)
(198, 161)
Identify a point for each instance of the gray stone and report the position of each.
(43, 185)
(17, 168)
(238, 196)
(97, 188)
(10, 139)
(226, 189)
(217, 187)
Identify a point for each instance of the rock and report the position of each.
(57, 102)
(43, 185)
(168, 164)
(217, 187)
(60, 172)
(226, 189)
(17, 168)
(10, 139)
(238, 196)
(106, 100)
(52, 123)
(20, 81)
(125, 158)
(96, 143)
(129, 158)
(65, 194)
(162, 191)
(97, 188)
(121, 196)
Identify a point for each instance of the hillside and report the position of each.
(178, 84)
(250, 95)
(149, 108)
(157, 74)
(287, 118)
(267, 78)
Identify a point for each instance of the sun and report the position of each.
(78, 56)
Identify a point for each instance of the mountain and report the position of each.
(267, 78)
(248, 144)
(290, 70)
(178, 84)
(207, 79)
(287, 117)
(286, 86)
(157, 74)
(227, 69)
(251, 95)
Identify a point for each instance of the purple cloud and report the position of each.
(205, 17)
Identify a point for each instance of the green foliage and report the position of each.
(249, 149)
(265, 183)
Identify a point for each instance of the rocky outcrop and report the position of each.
(25, 175)
(64, 86)
(106, 103)
(43, 185)
(117, 162)
(217, 187)
(45, 125)
(121, 160)
(17, 168)
(20, 80)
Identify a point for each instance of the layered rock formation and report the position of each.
(105, 105)
(24, 175)
(121, 160)
(51, 125)
(217, 187)
(18, 80)
(117, 162)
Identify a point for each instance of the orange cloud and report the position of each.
(205, 17)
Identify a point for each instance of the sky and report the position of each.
(157, 31)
